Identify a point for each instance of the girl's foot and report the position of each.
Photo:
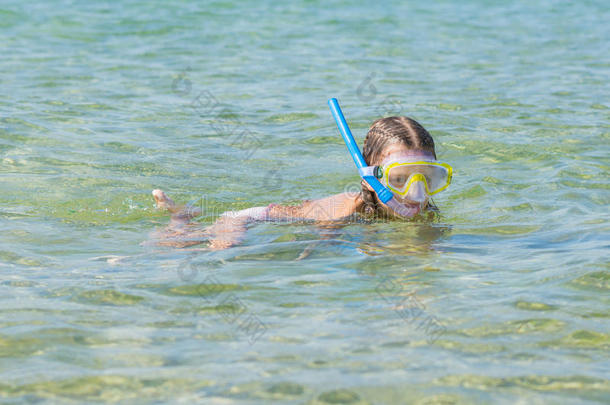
(163, 201)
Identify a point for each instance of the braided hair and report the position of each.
(383, 133)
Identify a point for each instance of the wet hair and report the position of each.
(383, 133)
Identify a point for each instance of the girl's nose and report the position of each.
(417, 193)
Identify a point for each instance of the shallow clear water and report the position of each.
(502, 298)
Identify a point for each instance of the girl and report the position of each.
(398, 151)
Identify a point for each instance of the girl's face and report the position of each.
(400, 150)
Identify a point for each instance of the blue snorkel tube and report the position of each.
(384, 194)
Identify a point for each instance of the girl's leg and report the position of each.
(181, 215)
(179, 232)
(163, 201)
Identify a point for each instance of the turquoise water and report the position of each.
(103, 103)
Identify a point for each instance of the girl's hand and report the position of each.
(226, 232)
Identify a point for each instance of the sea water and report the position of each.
(502, 297)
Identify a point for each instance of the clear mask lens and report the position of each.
(400, 177)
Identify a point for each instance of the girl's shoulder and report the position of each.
(337, 206)
(344, 204)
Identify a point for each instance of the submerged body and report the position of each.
(230, 227)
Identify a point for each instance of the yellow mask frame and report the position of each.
(384, 174)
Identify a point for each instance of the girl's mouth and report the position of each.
(404, 209)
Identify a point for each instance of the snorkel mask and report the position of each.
(400, 178)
